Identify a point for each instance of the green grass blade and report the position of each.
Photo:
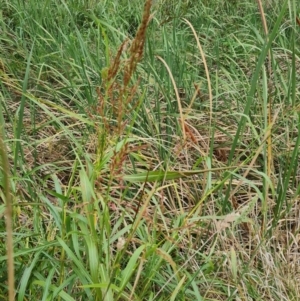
(19, 129)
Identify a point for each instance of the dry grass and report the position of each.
(213, 210)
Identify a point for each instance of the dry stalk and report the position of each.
(206, 72)
(269, 138)
(177, 97)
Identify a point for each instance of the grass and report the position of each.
(149, 152)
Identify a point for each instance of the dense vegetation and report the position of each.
(150, 152)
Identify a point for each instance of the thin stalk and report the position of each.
(9, 213)
(269, 138)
